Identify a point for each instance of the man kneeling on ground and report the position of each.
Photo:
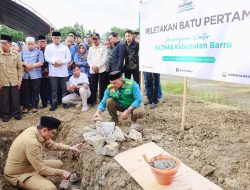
(79, 89)
(122, 95)
(25, 167)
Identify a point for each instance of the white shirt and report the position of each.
(98, 57)
(83, 78)
(57, 52)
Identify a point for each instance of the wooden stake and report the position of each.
(183, 119)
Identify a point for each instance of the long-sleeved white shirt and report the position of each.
(57, 52)
(97, 56)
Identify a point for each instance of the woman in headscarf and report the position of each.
(80, 59)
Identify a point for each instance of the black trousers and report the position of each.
(152, 87)
(135, 72)
(103, 80)
(30, 89)
(45, 91)
(56, 82)
(10, 101)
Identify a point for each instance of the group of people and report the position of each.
(68, 72)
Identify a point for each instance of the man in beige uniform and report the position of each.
(11, 73)
(25, 166)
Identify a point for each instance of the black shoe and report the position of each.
(18, 117)
(53, 108)
(93, 104)
(5, 118)
(65, 106)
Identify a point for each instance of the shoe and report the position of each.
(153, 105)
(25, 111)
(85, 108)
(34, 110)
(5, 119)
(78, 105)
(53, 107)
(160, 99)
(18, 117)
(65, 106)
(93, 104)
(146, 102)
(44, 106)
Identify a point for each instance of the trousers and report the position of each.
(102, 80)
(38, 182)
(30, 92)
(55, 83)
(74, 98)
(113, 106)
(10, 101)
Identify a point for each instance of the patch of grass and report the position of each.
(211, 97)
(172, 87)
(177, 88)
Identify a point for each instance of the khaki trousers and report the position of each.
(39, 182)
(75, 99)
(113, 107)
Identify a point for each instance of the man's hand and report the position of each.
(66, 175)
(76, 147)
(27, 67)
(19, 84)
(97, 116)
(125, 115)
(95, 69)
(71, 88)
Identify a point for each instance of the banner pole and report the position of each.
(183, 119)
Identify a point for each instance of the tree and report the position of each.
(77, 28)
(16, 35)
(119, 31)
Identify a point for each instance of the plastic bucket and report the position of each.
(164, 177)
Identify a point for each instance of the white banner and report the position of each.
(196, 38)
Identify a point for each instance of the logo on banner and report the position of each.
(183, 70)
(185, 5)
(224, 74)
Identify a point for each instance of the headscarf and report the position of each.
(82, 56)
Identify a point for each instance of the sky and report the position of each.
(100, 15)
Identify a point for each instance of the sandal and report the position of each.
(25, 110)
(34, 110)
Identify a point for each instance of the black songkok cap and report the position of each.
(6, 37)
(50, 122)
(41, 37)
(115, 75)
(96, 35)
(56, 33)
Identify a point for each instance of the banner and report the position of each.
(196, 38)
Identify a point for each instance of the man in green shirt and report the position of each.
(122, 95)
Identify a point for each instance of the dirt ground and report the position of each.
(216, 143)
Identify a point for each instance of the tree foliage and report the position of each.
(77, 28)
(16, 35)
(119, 31)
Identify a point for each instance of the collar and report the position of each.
(131, 43)
(39, 136)
(2, 52)
(123, 85)
(116, 43)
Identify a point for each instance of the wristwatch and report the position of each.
(128, 110)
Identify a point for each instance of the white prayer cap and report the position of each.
(30, 39)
